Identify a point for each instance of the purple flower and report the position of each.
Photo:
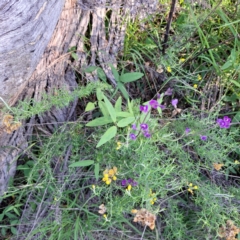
(133, 136)
(187, 130)
(203, 137)
(154, 104)
(147, 134)
(174, 102)
(144, 126)
(225, 122)
(144, 108)
(134, 127)
(162, 106)
(168, 92)
(132, 182)
(124, 182)
(158, 96)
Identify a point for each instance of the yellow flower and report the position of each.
(129, 187)
(115, 169)
(181, 60)
(111, 173)
(114, 178)
(236, 162)
(169, 69)
(190, 190)
(105, 216)
(108, 181)
(195, 86)
(195, 187)
(93, 186)
(199, 77)
(152, 202)
(134, 211)
(105, 179)
(119, 144)
(190, 185)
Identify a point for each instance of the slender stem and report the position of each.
(6, 104)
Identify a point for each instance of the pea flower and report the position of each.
(128, 183)
(144, 126)
(168, 92)
(174, 102)
(144, 108)
(225, 122)
(154, 104)
(133, 136)
(203, 137)
(134, 127)
(187, 130)
(147, 134)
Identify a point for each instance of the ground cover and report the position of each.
(157, 159)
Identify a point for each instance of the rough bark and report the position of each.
(36, 59)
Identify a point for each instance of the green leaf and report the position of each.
(115, 73)
(130, 106)
(107, 136)
(99, 121)
(96, 171)
(74, 56)
(83, 163)
(226, 65)
(110, 109)
(99, 94)
(236, 83)
(118, 105)
(1, 216)
(130, 77)
(90, 106)
(103, 108)
(126, 121)
(124, 114)
(14, 230)
(101, 74)
(123, 90)
(90, 69)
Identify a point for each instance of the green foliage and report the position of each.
(191, 185)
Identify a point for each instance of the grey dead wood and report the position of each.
(34, 40)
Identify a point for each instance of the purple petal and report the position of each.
(144, 108)
(154, 104)
(132, 136)
(227, 119)
(168, 92)
(124, 182)
(174, 102)
(158, 96)
(147, 134)
(144, 126)
(134, 127)
(204, 138)
(187, 130)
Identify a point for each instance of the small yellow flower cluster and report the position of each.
(119, 144)
(195, 86)
(181, 60)
(236, 162)
(191, 188)
(199, 77)
(169, 69)
(153, 199)
(109, 175)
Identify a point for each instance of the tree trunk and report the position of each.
(34, 59)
